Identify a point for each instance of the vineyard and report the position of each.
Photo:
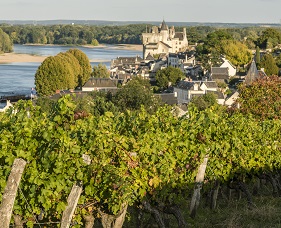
(153, 163)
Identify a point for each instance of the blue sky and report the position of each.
(227, 11)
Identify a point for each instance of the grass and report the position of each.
(236, 214)
(232, 213)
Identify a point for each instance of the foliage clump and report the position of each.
(63, 71)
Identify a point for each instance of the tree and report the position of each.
(55, 73)
(5, 42)
(86, 68)
(258, 56)
(95, 42)
(262, 98)
(73, 63)
(269, 65)
(100, 71)
(269, 38)
(205, 101)
(236, 52)
(168, 75)
(134, 94)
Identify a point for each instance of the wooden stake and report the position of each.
(198, 185)
(10, 192)
(72, 201)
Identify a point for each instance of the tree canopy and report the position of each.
(169, 74)
(262, 98)
(269, 65)
(63, 71)
(221, 43)
(5, 42)
(236, 52)
(86, 68)
(100, 71)
(135, 94)
(205, 101)
(269, 38)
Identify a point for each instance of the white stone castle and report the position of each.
(163, 40)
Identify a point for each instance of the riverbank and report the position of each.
(21, 58)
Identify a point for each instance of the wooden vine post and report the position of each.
(73, 198)
(10, 192)
(197, 188)
(72, 201)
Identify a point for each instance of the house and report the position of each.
(167, 98)
(173, 60)
(100, 84)
(186, 90)
(130, 62)
(220, 74)
(163, 40)
(231, 100)
(227, 64)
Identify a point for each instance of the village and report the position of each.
(162, 48)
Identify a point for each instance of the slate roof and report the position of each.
(219, 73)
(149, 57)
(167, 98)
(100, 83)
(173, 55)
(252, 73)
(126, 60)
(186, 85)
(211, 84)
(219, 70)
(179, 35)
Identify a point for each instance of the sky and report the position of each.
(226, 11)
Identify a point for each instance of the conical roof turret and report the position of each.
(252, 73)
(164, 26)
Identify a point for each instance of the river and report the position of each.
(18, 78)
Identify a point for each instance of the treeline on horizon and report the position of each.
(124, 34)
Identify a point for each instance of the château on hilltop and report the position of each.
(163, 40)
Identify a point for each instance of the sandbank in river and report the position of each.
(21, 58)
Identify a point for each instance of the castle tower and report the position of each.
(164, 30)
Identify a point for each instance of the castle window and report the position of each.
(180, 43)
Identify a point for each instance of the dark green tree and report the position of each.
(95, 42)
(135, 94)
(55, 73)
(86, 68)
(258, 56)
(5, 42)
(269, 65)
(168, 75)
(100, 71)
(205, 101)
(269, 38)
(72, 63)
